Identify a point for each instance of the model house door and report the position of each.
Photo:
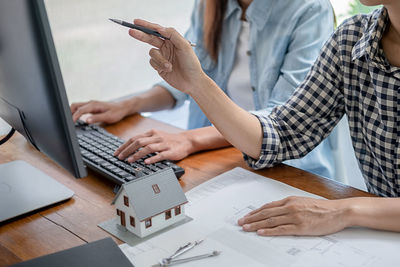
(122, 215)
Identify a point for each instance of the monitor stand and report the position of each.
(24, 188)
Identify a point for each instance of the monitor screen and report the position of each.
(32, 93)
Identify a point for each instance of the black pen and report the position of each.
(141, 28)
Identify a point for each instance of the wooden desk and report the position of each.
(74, 222)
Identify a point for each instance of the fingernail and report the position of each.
(89, 120)
(167, 65)
(241, 221)
(246, 227)
(147, 161)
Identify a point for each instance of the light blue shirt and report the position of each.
(285, 39)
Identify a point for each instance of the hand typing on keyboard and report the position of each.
(99, 111)
(167, 145)
(98, 147)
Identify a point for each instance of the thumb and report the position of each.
(175, 37)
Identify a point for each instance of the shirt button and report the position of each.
(248, 52)
(253, 89)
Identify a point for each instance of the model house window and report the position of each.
(132, 221)
(156, 189)
(178, 210)
(147, 223)
(118, 212)
(126, 201)
(168, 214)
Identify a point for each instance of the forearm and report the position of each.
(157, 98)
(239, 127)
(205, 138)
(371, 212)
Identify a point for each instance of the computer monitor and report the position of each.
(32, 96)
(32, 93)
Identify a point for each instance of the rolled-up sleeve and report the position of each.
(176, 94)
(269, 147)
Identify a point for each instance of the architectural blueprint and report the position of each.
(217, 204)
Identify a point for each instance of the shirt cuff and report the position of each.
(179, 96)
(269, 146)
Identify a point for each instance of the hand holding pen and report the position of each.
(143, 29)
(173, 59)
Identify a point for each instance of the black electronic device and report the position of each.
(33, 99)
(33, 102)
(32, 94)
(98, 147)
(101, 253)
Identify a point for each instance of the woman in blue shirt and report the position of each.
(256, 51)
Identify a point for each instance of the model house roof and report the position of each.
(153, 194)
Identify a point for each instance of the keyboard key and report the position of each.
(152, 167)
(129, 178)
(113, 169)
(161, 166)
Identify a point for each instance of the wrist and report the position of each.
(351, 211)
(190, 138)
(200, 86)
(131, 105)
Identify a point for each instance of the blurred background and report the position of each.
(98, 58)
(100, 61)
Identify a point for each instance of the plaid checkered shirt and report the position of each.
(351, 76)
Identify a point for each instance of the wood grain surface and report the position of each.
(74, 222)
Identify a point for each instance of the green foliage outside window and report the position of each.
(356, 8)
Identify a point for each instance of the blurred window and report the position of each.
(98, 59)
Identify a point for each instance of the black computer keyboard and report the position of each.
(98, 147)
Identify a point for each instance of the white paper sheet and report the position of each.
(215, 207)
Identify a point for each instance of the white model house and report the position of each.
(150, 203)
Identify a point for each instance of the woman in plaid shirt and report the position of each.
(357, 74)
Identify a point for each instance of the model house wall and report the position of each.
(158, 222)
(149, 204)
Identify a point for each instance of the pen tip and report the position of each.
(115, 20)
